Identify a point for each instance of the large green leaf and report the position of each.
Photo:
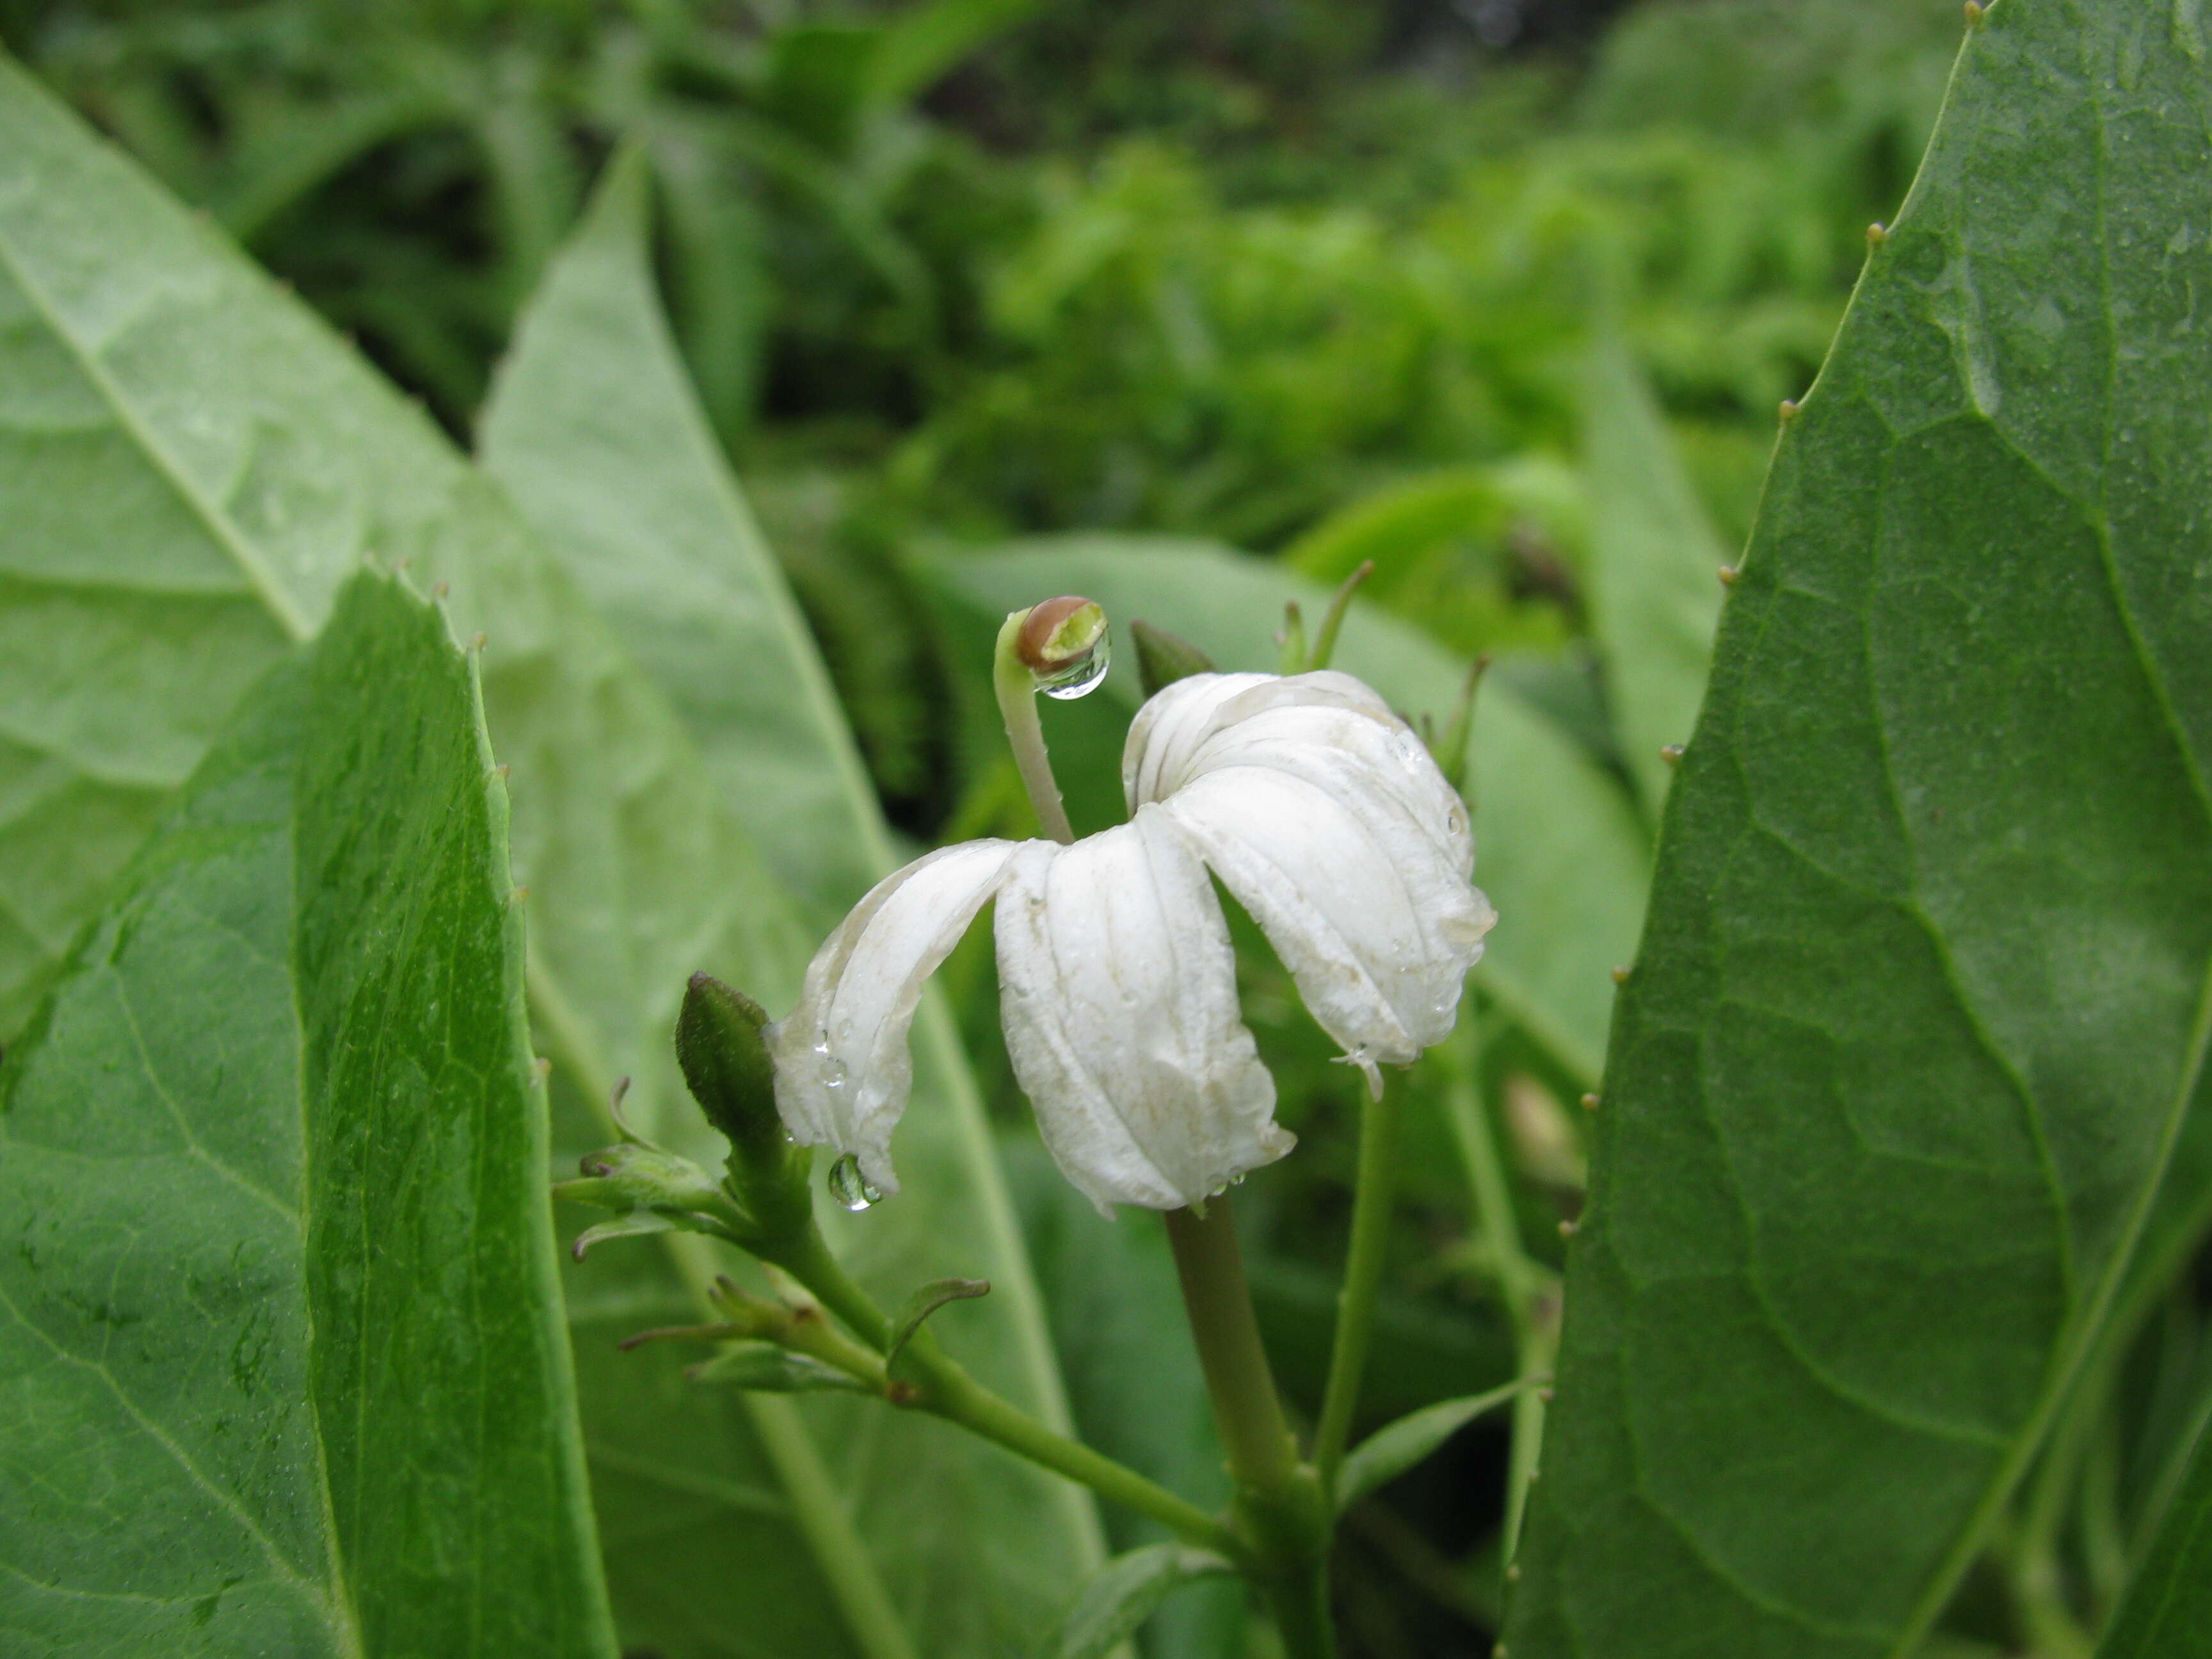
(595, 431)
(1560, 853)
(189, 465)
(1920, 1016)
(280, 1334)
(1655, 562)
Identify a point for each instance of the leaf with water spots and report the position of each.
(281, 1340)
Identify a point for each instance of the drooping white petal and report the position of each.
(1324, 815)
(1118, 989)
(842, 1068)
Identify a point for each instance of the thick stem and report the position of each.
(948, 1391)
(1016, 687)
(1521, 1284)
(1363, 1278)
(1278, 1497)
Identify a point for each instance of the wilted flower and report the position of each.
(1314, 805)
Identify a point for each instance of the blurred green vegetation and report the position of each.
(1317, 279)
(1276, 274)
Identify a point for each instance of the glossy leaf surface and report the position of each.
(281, 1342)
(1918, 1023)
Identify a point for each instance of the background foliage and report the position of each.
(983, 299)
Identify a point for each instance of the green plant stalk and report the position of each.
(947, 1390)
(1375, 1186)
(1279, 1499)
(1016, 689)
(1520, 1280)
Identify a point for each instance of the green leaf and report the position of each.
(597, 433)
(925, 1301)
(190, 466)
(1919, 1021)
(1397, 1447)
(1655, 588)
(1559, 851)
(765, 1367)
(594, 429)
(279, 1335)
(1127, 1591)
(2166, 1613)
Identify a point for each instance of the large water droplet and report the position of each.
(850, 1187)
(1082, 680)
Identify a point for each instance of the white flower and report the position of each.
(1316, 807)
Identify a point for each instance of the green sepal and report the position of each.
(764, 1368)
(925, 1301)
(1163, 658)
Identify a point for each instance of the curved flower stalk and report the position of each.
(1316, 806)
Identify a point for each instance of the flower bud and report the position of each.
(1063, 643)
(721, 1045)
(1163, 658)
(650, 1191)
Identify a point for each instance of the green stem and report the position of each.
(1279, 1499)
(1522, 1284)
(951, 1394)
(948, 1391)
(1016, 687)
(1363, 1277)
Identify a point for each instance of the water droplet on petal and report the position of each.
(1080, 679)
(850, 1187)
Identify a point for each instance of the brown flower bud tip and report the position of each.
(1058, 633)
(1589, 1102)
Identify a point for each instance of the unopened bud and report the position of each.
(650, 1191)
(1063, 642)
(721, 1045)
(630, 1176)
(1163, 658)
